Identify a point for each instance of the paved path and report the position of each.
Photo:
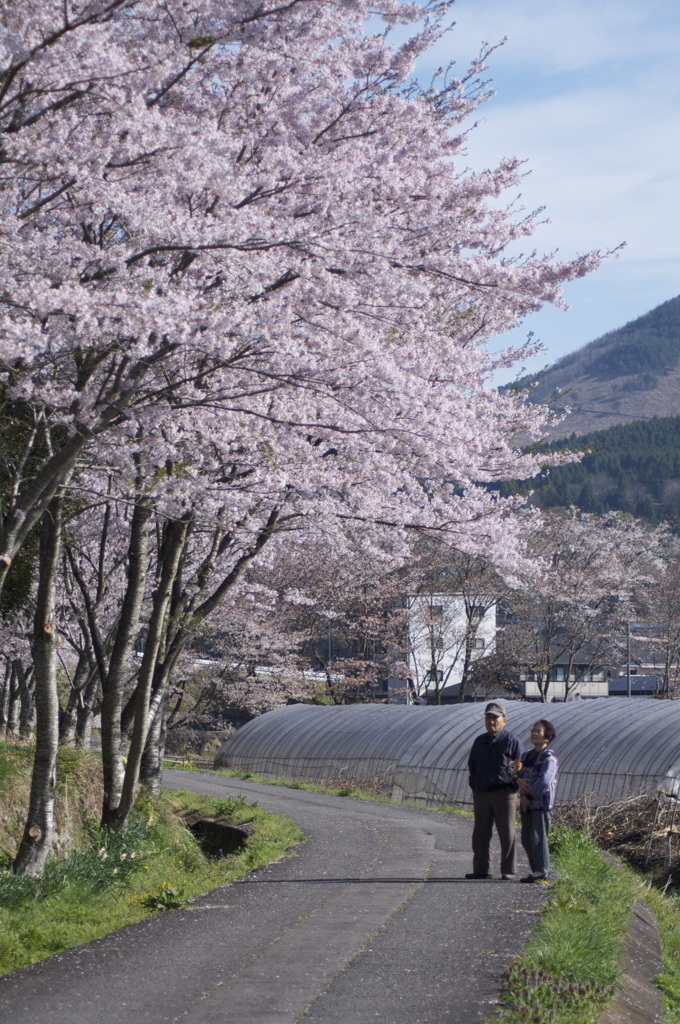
(370, 922)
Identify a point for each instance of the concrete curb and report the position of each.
(639, 1001)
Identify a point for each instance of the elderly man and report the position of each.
(494, 794)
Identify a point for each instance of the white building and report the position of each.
(447, 632)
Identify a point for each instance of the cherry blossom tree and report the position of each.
(238, 252)
(249, 659)
(593, 567)
(176, 242)
(658, 605)
(348, 612)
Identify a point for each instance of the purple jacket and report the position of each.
(541, 771)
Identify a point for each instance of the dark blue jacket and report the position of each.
(488, 761)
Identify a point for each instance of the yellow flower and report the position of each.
(146, 867)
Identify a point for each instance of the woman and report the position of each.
(537, 784)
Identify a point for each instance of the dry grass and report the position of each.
(378, 785)
(203, 743)
(78, 800)
(624, 828)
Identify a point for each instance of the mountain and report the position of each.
(631, 373)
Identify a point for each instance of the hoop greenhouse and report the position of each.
(610, 748)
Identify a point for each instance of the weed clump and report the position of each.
(539, 996)
(166, 897)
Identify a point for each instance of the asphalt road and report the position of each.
(368, 922)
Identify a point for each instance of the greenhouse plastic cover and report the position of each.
(611, 748)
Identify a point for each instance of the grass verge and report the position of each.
(356, 792)
(110, 879)
(666, 906)
(569, 970)
(353, 791)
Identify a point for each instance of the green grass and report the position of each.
(666, 907)
(349, 791)
(579, 940)
(462, 811)
(113, 879)
(569, 970)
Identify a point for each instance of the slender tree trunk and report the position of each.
(4, 697)
(39, 830)
(114, 683)
(27, 702)
(171, 552)
(151, 773)
(69, 715)
(86, 711)
(14, 702)
(467, 667)
(37, 497)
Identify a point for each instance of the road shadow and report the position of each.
(366, 881)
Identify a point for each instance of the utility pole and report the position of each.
(628, 666)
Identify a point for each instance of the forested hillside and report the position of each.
(633, 468)
(631, 373)
(650, 344)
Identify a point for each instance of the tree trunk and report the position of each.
(68, 717)
(27, 702)
(466, 671)
(171, 552)
(14, 703)
(151, 773)
(4, 697)
(86, 711)
(114, 684)
(39, 829)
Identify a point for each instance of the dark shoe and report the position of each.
(535, 878)
(507, 878)
(471, 875)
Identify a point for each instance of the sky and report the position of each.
(587, 93)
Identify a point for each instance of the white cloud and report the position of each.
(588, 94)
(568, 37)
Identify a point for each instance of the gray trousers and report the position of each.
(535, 829)
(497, 808)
